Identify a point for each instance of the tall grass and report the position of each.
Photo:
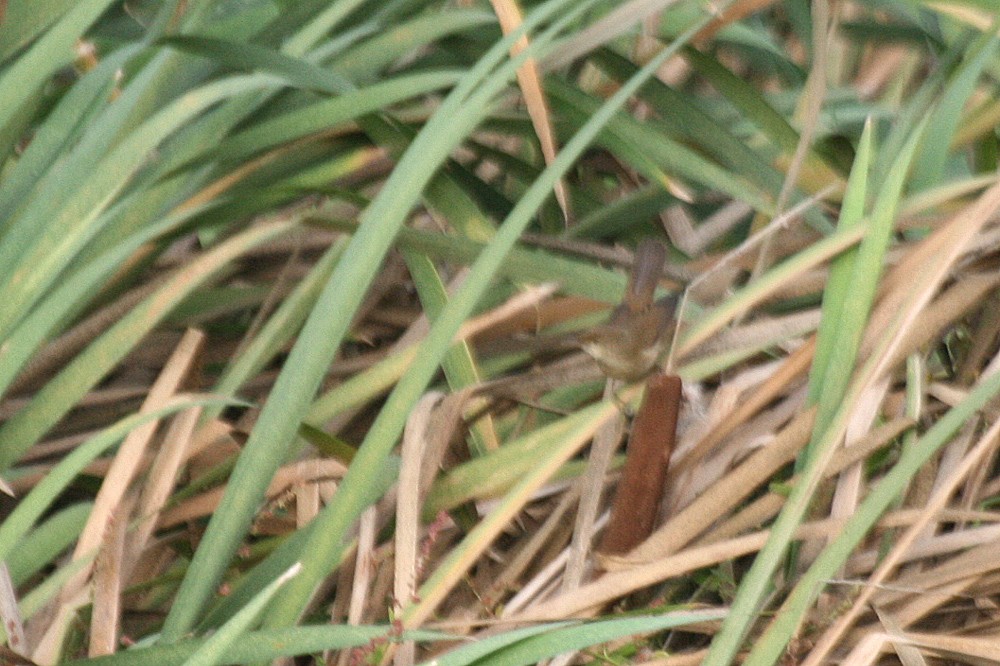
(286, 294)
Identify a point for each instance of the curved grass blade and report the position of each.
(71, 295)
(30, 271)
(63, 391)
(323, 553)
(40, 498)
(265, 645)
(214, 650)
(53, 50)
(754, 586)
(535, 649)
(318, 341)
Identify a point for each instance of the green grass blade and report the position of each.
(472, 652)
(26, 19)
(855, 301)
(654, 153)
(288, 552)
(320, 26)
(21, 81)
(944, 120)
(748, 99)
(557, 443)
(383, 48)
(318, 341)
(685, 121)
(242, 56)
(72, 294)
(772, 644)
(42, 596)
(281, 326)
(266, 645)
(54, 137)
(46, 541)
(833, 407)
(329, 113)
(535, 649)
(336, 518)
(843, 270)
(495, 473)
(814, 255)
(30, 271)
(62, 392)
(33, 505)
(214, 650)
(459, 363)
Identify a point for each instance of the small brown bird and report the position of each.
(628, 346)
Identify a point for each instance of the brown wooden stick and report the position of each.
(637, 502)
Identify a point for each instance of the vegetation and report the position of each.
(287, 290)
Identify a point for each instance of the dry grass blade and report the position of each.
(767, 506)
(732, 14)
(285, 479)
(956, 302)
(109, 581)
(811, 104)
(10, 615)
(985, 446)
(616, 584)
(591, 491)
(583, 427)
(608, 27)
(530, 79)
(132, 451)
(909, 655)
(408, 503)
(542, 537)
(791, 368)
(50, 645)
(695, 240)
(974, 562)
(364, 571)
(160, 482)
(166, 464)
(965, 649)
(58, 352)
(912, 283)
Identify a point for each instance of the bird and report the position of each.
(629, 345)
